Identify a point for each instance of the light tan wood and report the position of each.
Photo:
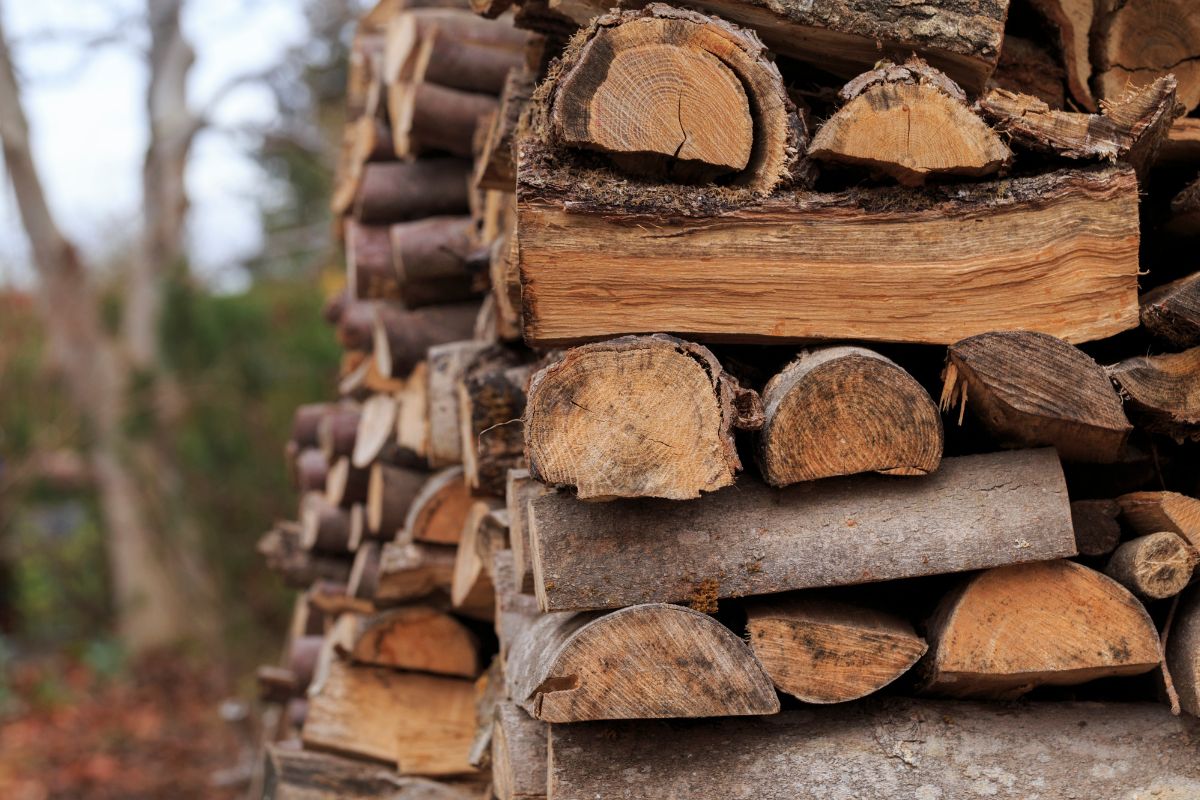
(435, 727)
(376, 428)
(1010, 629)
(472, 591)
(416, 638)
(446, 365)
(910, 122)
(640, 662)
(520, 488)
(410, 571)
(1155, 566)
(1073, 21)
(518, 754)
(1163, 392)
(440, 508)
(412, 429)
(1134, 43)
(843, 410)
(1150, 512)
(825, 651)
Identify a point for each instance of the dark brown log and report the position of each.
(518, 754)
(337, 432)
(1031, 389)
(1182, 147)
(1154, 567)
(497, 169)
(1183, 651)
(1163, 392)
(447, 362)
(1172, 311)
(356, 325)
(334, 306)
(346, 485)
(910, 122)
(306, 421)
(311, 467)
(294, 774)
(491, 402)
(1134, 43)
(432, 260)
(390, 494)
(823, 651)
(1150, 512)
(401, 338)
(843, 410)
(1072, 19)
(471, 61)
(1026, 67)
(411, 571)
(1097, 532)
(471, 591)
(276, 684)
(298, 567)
(416, 638)
(369, 273)
(648, 661)
(974, 512)
(428, 118)
(1058, 623)
(1185, 211)
(885, 750)
(520, 487)
(395, 191)
(324, 526)
(364, 573)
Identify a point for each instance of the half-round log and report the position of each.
(415, 638)
(440, 508)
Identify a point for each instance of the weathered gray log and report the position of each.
(518, 754)
(1183, 651)
(975, 512)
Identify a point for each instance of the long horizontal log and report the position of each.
(974, 512)
(294, 774)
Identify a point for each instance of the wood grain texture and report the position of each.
(1172, 311)
(519, 488)
(886, 750)
(649, 416)
(824, 651)
(440, 508)
(1153, 567)
(843, 410)
(1163, 392)
(515, 611)
(1150, 512)
(376, 429)
(410, 571)
(519, 754)
(1183, 651)
(446, 365)
(1030, 389)
(402, 338)
(1072, 19)
(471, 589)
(645, 661)
(294, 774)
(849, 265)
(974, 512)
(1135, 43)
(417, 638)
(1011, 629)
(391, 491)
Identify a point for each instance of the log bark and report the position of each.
(306, 421)
(646, 416)
(294, 774)
(412, 434)
(325, 527)
(311, 466)
(910, 122)
(376, 430)
(824, 651)
(1030, 390)
(1163, 392)
(885, 750)
(875, 265)
(369, 273)
(284, 555)
(491, 403)
(520, 487)
(471, 589)
(390, 494)
(1097, 531)
(395, 191)
(1135, 43)
(1183, 652)
(410, 571)
(1072, 19)
(440, 509)
(337, 431)
(1172, 311)
(429, 118)
(974, 512)
(1058, 623)
(1150, 512)
(1154, 567)
(432, 260)
(518, 754)
(463, 53)
(346, 485)
(843, 410)
(497, 169)
(647, 661)
(413, 638)
(402, 338)
(447, 363)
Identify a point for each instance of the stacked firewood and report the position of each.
(815, 418)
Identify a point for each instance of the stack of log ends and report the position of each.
(824, 651)
(1182, 645)
(883, 264)
(1130, 127)
(416, 638)
(1058, 623)
(1171, 312)
(310, 468)
(675, 94)
(491, 402)
(325, 527)
(427, 117)
(364, 572)
(844, 410)
(390, 493)
(1030, 389)
(447, 363)
(376, 429)
(642, 662)
(974, 512)
(520, 487)
(518, 754)
(431, 260)
(1163, 392)
(1134, 43)
(886, 750)
(639, 416)
(471, 589)
(1185, 211)
(911, 122)
(396, 191)
(401, 338)
(1097, 532)
(346, 484)
(440, 509)
(294, 774)
(1154, 567)
(1150, 512)
(411, 571)
(1072, 20)
(298, 566)
(306, 422)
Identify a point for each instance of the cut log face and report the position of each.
(1150, 512)
(1031, 389)
(823, 651)
(909, 122)
(416, 638)
(1055, 623)
(843, 410)
(390, 494)
(293, 774)
(1097, 531)
(1134, 43)
(1163, 391)
(440, 509)
(1172, 311)
(376, 428)
(520, 488)
(1073, 21)
(675, 93)
(641, 662)
(472, 591)
(1153, 567)
(648, 416)
(1183, 651)
(518, 754)
(413, 570)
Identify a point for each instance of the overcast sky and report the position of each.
(85, 105)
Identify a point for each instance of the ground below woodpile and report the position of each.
(154, 731)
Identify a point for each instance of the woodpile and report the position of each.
(747, 401)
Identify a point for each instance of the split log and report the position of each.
(306, 421)
(440, 509)
(410, 571)
(416, 638)
(447, 363)
(369, 273)
(324, 526)
(675, 94)
(885, 750)
(1134, 43)
(1130, 127)
(1057, 623)
(431, 259)
(376, 429)
(843, 410)
(390, 494)
(823, 651)
(294, 774)
(871, 265)
(496, 169)
(311, 467)
(1072, 19)
(429, 118)
(364, 572)
(471, 590)
(1150, 512)
(1154, 567)
(284, 555)
(520, 487)
(974, 512)
(1172, 311)
(1030, 389)
(345, 484)
(515, 611)
(337, 431)
(491, 403)
(395, 191)
(1163, 392)
(1097, 532)
(1183, 651)
(643, 662)
(401, 338)
(910, 122)
(518, 754)
(639, 416)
